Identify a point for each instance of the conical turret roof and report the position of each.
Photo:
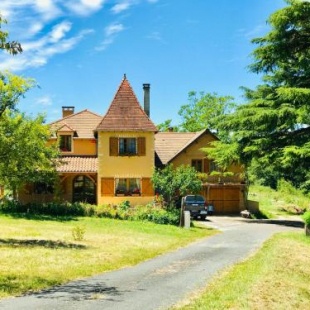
(125, 112)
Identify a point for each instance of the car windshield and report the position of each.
(191, 198)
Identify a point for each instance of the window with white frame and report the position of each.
(127, 186)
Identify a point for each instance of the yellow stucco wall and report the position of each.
(124, 166)
(87, 147)
(194, 152)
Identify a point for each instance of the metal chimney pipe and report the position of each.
(146, 88)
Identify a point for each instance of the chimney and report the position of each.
(67, 110)
(146, 88)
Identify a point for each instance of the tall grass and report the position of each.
(283, 202)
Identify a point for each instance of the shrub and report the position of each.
(306, 218)
(78, 233)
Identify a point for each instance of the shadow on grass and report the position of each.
(40, 243)
(40, 217)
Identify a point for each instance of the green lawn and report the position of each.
(37, 253)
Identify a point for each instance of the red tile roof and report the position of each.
(78, 164)
(83, 123)
(168, 145)
(125, 112)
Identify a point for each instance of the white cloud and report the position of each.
(110, 32)
(113, 29)
(84, 7)
(59, 31)
(120, 7)
(45, 101)
(152, 1)
(47, 9)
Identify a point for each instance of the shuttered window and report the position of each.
(127, 146)
(141, 146)
(147, 187)
(107, 187)
(113, 146)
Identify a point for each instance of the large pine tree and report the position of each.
(272, 129)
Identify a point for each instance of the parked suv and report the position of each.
(196, 205)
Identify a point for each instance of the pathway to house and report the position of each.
(160, 282)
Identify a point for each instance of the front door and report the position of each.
(84, 190)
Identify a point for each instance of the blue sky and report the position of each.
(79, 50)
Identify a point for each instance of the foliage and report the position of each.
(282, 202)
(147, 213)
(223, 154)
(167, 126)
(13, 47)
(306, 217)
(204, 111)
(272, 129)
(78, 232)
(174, 182)
(24, 154)
(12, 88)
(123, 211)
(48, 208)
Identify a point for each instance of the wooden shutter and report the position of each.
(107, 187)
(113, 146)
(206, 165)
(141, 146)
(147, 187)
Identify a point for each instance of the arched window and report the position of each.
(84, 190)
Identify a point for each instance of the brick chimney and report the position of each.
(67, 110)
(146, 88)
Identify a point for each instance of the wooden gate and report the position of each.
(226, 198)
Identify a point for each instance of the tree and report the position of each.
(166, 126)
(12, 88)
(24, 153)
(205, 110)
(172, 183)
(13, 47)
(273, 128)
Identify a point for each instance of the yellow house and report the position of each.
(109, 159)
(126, 155)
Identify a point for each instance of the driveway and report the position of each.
(160, 282)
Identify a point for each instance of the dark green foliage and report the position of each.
(306, 217)
(173, 182)
(50, 208)
(148, 213)
(273, 129)
(122, 211)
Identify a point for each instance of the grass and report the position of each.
(281, 203)
(277, 277)
(40, 252)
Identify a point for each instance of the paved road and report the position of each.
(160, 282)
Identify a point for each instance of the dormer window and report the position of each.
(65, 144)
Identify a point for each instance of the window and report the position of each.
(43, 188)
(197, 164)
(128, 187)
(127, 146)
(84, 189)
(65, 143)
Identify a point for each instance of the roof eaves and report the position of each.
(197, 136)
